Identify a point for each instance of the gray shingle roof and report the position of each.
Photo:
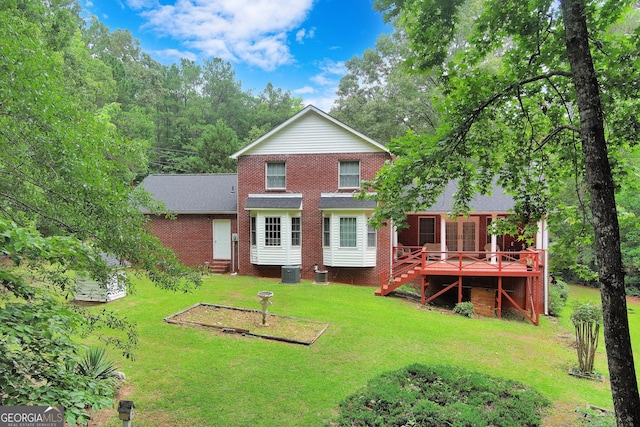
(341, 201)
(273, 202)
(195, 193)
(498, 202)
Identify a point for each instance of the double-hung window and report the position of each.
(326, 231)
(272, 231)
(296, 231)
(371, 237)
(276, 176)
(253, 230)
(348, 232)
(349, 174)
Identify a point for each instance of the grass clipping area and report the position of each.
(249, 322)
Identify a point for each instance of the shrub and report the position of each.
(464, 309)
(35, 343)
(558, 295)
(586, 318)
(96, 364)
(442, 396)
(596, 418)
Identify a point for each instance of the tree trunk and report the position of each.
(624, 386)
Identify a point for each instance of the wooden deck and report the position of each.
(471, 265)
(457, 266)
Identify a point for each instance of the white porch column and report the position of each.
(443, 236)
(494, 242)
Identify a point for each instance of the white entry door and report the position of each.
(462, 234)
(221, 239)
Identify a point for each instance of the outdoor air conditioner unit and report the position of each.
(290, 274)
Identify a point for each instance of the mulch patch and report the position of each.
(249, 322)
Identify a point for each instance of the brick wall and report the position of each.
(309, 175)
(190, 236)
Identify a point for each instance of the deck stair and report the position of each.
(403, 271)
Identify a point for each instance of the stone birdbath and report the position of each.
(264, 300)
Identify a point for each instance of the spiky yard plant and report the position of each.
(96, 364)
(586, 318)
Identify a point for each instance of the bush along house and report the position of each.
(292, 212)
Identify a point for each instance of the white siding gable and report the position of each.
(312, 132)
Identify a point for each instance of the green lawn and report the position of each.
(198, 377)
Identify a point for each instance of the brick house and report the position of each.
(204, 228)
(292, 205)
(297, 205)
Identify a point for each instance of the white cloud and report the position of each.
(330, 72)
(327, 81)
(254, 31)
(141, 4)
(304, 34)
(175, 54)
(323, 101)
(304, 90)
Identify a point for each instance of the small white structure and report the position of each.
(88, 289)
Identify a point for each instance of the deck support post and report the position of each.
(499, 297)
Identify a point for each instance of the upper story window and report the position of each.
(276, 175)
(349, 174)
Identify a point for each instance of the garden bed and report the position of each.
(249, 322)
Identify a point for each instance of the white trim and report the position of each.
(304, 112)
(274, 195)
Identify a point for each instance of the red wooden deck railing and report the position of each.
(413, 261)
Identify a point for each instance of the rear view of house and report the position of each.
(297, 204)
(293, 209)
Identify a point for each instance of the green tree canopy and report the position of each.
(66, 196)
(525, 103)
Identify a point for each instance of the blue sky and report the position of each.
(297, 45)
